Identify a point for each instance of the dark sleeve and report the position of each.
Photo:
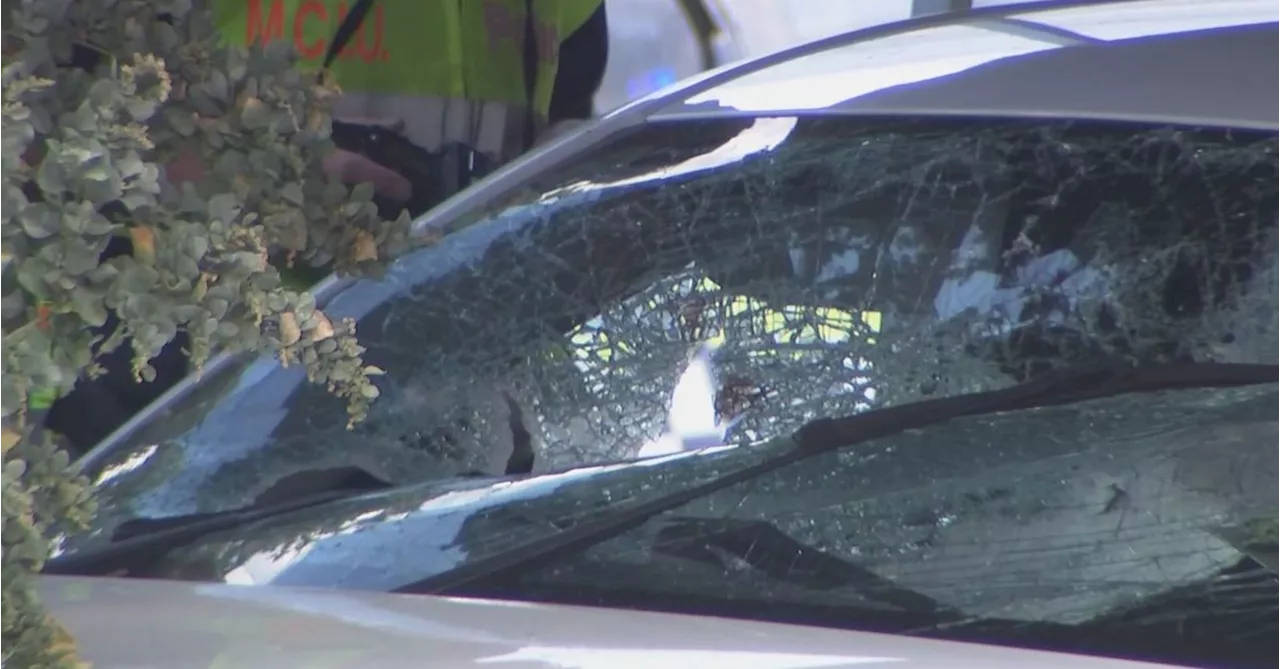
(583, 57)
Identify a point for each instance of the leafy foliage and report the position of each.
(83, 151)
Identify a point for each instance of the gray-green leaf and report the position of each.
(40, 221)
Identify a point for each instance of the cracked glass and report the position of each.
(695, 283)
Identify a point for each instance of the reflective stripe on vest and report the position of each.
(415, 61)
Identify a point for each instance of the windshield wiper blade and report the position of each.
(1064, 386)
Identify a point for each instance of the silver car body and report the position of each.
(123, 623)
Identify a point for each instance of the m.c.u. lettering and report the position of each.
(311, 24)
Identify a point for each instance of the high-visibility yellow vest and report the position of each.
(449, 70)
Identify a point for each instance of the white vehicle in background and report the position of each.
(984, 308)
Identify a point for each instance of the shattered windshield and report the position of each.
(811, 266)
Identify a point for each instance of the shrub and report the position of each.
(83, 150)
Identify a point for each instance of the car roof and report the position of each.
(1152, 60)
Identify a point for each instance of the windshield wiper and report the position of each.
(1065, 386)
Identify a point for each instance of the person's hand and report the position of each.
(187, 166)
(353, 168)
(349, 167)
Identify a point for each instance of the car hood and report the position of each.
(201, 626)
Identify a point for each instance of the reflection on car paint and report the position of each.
(829, 77)
(654, 657)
